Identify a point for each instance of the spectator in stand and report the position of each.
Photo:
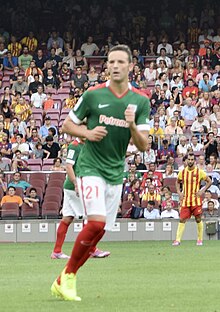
(182, 148)
(38, 98)
(80, 61)
(14, 47)
(17, 182)
(11, 197)
(23, 110)
(38, 152)
(14, 76)
(162, 68)
(4, 166)
(35, 84)
(55, 38)
(89, 47)
(213, 161)
(210, 146)
(40, 59)
(49, 102)
(50, 80)
(165, 150)
(169, 172)
(157, 132)
(151, 194)
(3, 183)
(24, 59)
(31, 71)
(19, 164)
(65, 74)
(155, 175)
(150, 73)
(32, 198)
(195, 145)
(216, 58)
(203, 101)
(190, 72)
(30, 41)
(190, 89)
(203, 71)
(215, 110)
(70, 101)
(17, 127)
(5, 146)
(151, 212)
(200, 126)
(55, 59)
(169, 212)
(57, 165)
(172, 128)
(165, 45)
(149, 155)
(44, 129)
(163, 57)
(138, 162)
(188, 111)
(201, 162)
(211, 212)
(21, 145)
(19, 86)
(207, 198)
(78, 79)
(51, 147)
(205, 84)
(92, 76)
(170, 161)
(32, 137)
(10, 62)
(69, 58)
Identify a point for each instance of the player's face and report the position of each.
(190, 161)
(119, 66)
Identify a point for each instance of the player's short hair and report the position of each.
(191, 155)
(124, 48)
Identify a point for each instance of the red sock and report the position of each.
(87, 238)
(61, 234)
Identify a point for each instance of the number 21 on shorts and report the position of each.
(91, 192)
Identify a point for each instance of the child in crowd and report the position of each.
(39, 152)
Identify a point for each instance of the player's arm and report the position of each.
(139, 137)
(178, 182)
(207, 186)
(71, 175)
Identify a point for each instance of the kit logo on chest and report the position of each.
(133, 107)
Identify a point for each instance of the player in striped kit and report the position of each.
(190, 197)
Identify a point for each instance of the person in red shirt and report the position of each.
(190, 89)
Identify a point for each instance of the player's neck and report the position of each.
(190, 168)
(119, 88)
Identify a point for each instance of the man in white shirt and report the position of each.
(164, 44)
(163, 57)
(38, 98)
(169, 212)
(89, 47)
(207, 198)
(150, 212)
(196, 147)
(200, 125)
(21, 146)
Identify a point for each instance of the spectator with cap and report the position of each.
(52, 147)
(43, 132)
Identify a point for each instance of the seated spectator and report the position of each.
(152, 194)
(170, 160)
(69, 58)
(132, 171)
(54, 58)
(190, 89)
(14, 46)
(32, 198)
(210, 145)
(30, 41)
(182, 147)
(89, 48)
(79, 60)
(154, 174)
(165, 150)
(70, 101)
(213, 162)
(57, 165)
(149, 155)
(173, 128)
(205, 84)
(40, 59)
(3, 183)
(157, 132)
(43, 133)
(201, 162)
(31, 71)
(11, 197)
(49, 102)
(5, 146)
(55, 38)
(207, 198)
(188, 111)
(33, 86)
(38, 152)
(165, 45)
(38, 98)
(169, 172)
(211, 211)
(169, 212)
(150, 73)
(19, 164)
(19, 86)
(92, 76)
(22, 146)
(24, 59)
(194, 145)
(14, 76)
(161, 68)
(138, 162)
(23, 110)
(9, 61)
(150, 212)
(78, 79)
(163, 57)
(50, 80)
(17, 182)
(65, 74)
(171, 109)
(7, 112)
(4, 166)
(51, 147)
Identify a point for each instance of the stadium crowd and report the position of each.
(176, 57)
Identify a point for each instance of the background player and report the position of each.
(72, 206)
(115, 112)
(191, 202)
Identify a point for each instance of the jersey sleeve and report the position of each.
(72, 155)
(80, 110)
(202, 174)
(180, 175)
(142, 120)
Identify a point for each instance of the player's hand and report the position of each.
(199, 194)
(181, 196)
(130, 115)
(96, 134)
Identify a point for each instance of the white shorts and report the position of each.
(72, 206)
(100, 198)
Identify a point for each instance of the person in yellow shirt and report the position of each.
(157, 132)
(30, 42)
(191, 197)
(70, 101)
(14, 47)
(23, 109)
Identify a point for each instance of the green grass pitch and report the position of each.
(138, 276)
